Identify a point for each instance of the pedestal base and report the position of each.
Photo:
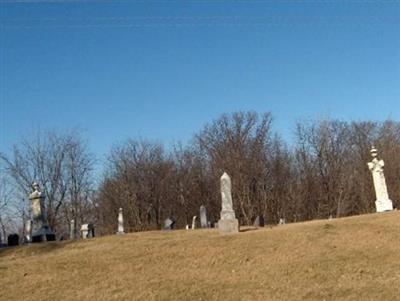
(228, 226)
(43, 234)
(383, 205)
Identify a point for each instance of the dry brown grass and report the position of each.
(355, 258)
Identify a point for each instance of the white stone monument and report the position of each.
(120, 222)
(40, 230)
(203, 217)
(228, 224)
(382, 203)
(28, 231)
(194, 222)
(72, 230)
(87, 231)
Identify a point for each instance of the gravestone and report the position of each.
(28, 231)
(13, 240)
(40, 230)
(169, 223)
(120, 222)
(382, 203)
(203, 217)
(259, 221)
(228, 223)
(194, 222)
(87, 231)
(72, 229)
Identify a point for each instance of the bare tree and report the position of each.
(61, 164)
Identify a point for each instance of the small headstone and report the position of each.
(228, 224)
(120, 222)
(382, 203)
(87, 231)
(13, 240)
(203, 217)
(169, 223)
(259, 221)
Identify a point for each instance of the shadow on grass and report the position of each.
(33, 249)
(248, 229)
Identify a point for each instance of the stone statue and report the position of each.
(40, 230)
(382, 203)
(37, 201)
(228, 224)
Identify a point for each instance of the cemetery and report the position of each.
(314, 260)
(199, 150)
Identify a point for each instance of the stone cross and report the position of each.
(194, 222)
(72, 230)
(382, 203)
(228, 224)
(203, 217)
(40, 230)
(120, 222)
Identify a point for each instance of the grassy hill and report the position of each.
(356, 258)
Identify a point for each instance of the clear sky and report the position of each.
(162, 69)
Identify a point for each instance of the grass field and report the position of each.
(356, 258)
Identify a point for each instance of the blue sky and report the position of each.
(162, 69)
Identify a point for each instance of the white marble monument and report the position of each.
(28, 231)
(194, 222)
(72, 229)
(203, 217)
(382, 203)
(87, 231)
(120, 222)
(228, 224)
(40, 230)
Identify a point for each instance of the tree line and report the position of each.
(322, 173)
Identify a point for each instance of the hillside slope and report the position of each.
(356, 258)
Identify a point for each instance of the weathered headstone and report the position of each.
(87, 231)
(40, 230)
(169, 223)
(228, 224)
(382, 203)
(259, 221)
(120, 222)
(203, 217)
(72, 229)
(13, 240)
(194, 222)
(28, 231)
